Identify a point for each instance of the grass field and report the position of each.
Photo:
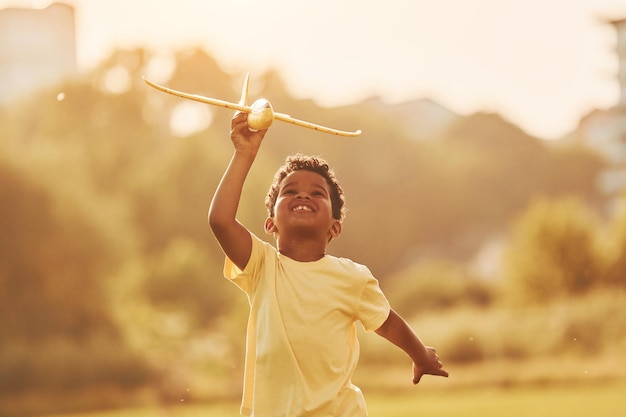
(601, 400)
(579, 401)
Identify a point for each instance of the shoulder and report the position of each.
(262, 256)
(261, 253)
(261, 249)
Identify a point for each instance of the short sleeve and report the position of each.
(247, 279)
(373, 307)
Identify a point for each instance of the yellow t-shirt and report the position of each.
(301, 344)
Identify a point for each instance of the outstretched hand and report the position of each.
(432, 366)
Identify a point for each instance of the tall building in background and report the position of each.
(37, 49)
(620, 28)
(605, 130)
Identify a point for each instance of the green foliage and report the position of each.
(586, 327)
(52, 257)
(615, 250)
(57, 332)
(436, 286)
(180, 280)
(553, 251)
(61, 364)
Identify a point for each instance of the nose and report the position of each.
(303, 194)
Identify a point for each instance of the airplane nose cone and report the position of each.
(261, 116)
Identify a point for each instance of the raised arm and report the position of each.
(232, 236)
(425, 359)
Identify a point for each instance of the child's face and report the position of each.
(304, 205)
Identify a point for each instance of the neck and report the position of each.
(303, 250)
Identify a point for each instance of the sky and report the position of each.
(541, 64)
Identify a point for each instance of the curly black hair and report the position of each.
(310, 163)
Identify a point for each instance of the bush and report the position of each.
(436, 285)
(586, 326)
(616, 252)
(463, 347)
(63, 364)
(553, 251)
(180, 279)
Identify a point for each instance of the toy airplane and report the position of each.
(260, 113)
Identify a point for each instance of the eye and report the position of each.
(289, 191)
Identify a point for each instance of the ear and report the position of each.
(270, 226)
(335, 229)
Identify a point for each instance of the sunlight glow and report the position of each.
(189, 117)
(161, 67)
(116, 81)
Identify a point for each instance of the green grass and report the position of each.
(605, 400)
(579, 401)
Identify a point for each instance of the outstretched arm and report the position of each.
(232, 236)
(425, 359)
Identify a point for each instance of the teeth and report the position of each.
(302, 208)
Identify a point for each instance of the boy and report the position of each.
(301, 346)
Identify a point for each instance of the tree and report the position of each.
(553, 250)
(616, 253)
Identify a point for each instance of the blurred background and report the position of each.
(486, 192)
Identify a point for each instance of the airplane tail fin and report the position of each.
(244, 91)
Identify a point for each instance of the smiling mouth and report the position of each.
(301, 208)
